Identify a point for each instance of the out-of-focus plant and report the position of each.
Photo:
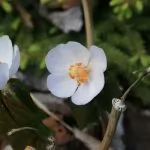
(6, 6)
(125, 8)
(126, 41)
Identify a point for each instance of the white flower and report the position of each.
(8, 147)
(9, 60)
(76, 72)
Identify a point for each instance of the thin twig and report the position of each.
(44, 108)
(89, 141)
(88, 23)
(20, 129)
(130, 88)
(25, 16)
(114, 116)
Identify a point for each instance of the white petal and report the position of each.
(62, 56)
(97, 58)
(6, 50)
(4, 75)
(87, 91)
(8, 147)
(61, 85)
(15, 62)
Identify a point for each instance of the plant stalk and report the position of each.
(88, 23)
(115, 115)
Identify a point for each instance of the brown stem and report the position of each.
(88, 23)
(89, 141)
(25, 16)
(132, 85)
(114, 117)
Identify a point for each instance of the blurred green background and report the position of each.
(121, 28)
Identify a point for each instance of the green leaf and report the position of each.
(145, 60)
(15, 23)
(139, 5)
(128, 14)
(115, 2)
(25, 60)
(18, 110)
(19, 105)
(6, 6)
(125, 6)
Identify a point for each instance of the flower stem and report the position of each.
(114, 116)
(88, 23)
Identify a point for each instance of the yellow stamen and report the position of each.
(79, 72)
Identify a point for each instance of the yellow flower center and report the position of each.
(79, 72)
